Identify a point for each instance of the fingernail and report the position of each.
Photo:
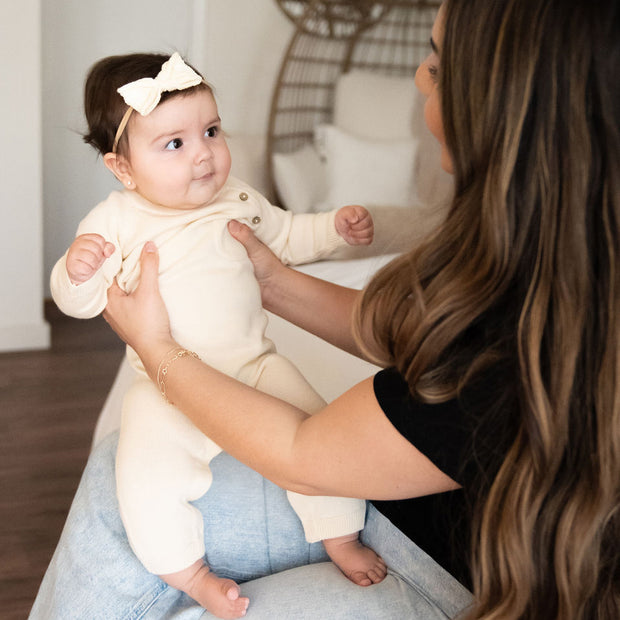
(234, 226)
(150, 247)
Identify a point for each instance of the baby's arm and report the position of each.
(80, 278)
(354, 224)
(86, 255)
(305, 237)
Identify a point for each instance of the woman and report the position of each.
(499, 410)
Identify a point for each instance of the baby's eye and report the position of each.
(174, 145)
(212, 132)
(433, 71)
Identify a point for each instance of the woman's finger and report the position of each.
(149, 266)
(244, 235)
(140, 316)
(115, 289)
(262, 257)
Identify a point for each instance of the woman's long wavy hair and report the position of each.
(526, 272)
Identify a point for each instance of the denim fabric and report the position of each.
(252, 535)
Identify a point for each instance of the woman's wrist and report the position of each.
(274, 290)
(154, 353)
(166, 363)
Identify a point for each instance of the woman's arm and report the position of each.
(350, 448)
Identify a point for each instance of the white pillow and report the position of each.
(299, 179)
(372, 105)
(367, 172)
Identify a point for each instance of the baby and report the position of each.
(156, 123)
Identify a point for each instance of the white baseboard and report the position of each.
(28, 337)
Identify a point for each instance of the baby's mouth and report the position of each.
(205, 177)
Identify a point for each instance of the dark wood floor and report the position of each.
(49, 403)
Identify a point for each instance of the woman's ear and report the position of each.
(120, 168)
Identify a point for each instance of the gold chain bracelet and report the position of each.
(169, 359)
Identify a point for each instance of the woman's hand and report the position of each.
(140, 318)
(267, 265)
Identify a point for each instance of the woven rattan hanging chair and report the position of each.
(332, 37)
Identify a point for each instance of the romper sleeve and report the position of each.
(298, 238)
(87, 300)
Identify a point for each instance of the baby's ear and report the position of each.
(119, 166)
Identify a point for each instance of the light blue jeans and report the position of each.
(252, 535)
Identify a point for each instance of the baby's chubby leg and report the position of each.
(219, 596)
(162, 466)
(323, 518)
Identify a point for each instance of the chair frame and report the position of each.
(333, 37)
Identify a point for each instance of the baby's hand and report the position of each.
(354, 224)
(86, 255)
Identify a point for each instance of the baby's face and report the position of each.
(178, 157)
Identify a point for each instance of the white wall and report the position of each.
(21, 243)
(237, 44)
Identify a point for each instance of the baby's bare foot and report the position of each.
(218, 596)
(359, 563)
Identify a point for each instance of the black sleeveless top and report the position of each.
(460, 437)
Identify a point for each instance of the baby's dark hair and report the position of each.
(104, 107)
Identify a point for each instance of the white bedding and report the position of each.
(330, 370)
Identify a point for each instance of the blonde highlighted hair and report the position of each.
(525, 273)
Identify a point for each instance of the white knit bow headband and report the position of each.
(144, 94)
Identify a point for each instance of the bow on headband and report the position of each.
(144, 95)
